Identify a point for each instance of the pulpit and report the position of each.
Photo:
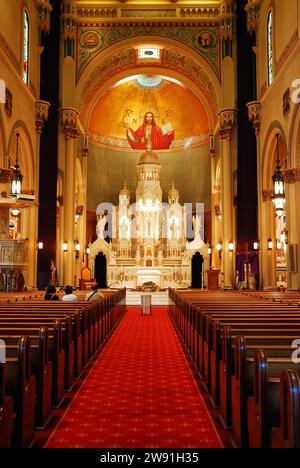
(212, 279)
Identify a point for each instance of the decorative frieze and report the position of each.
(204, 12)
(292, 176)
(13, 253)
(228, 122)
(41, 114)
(68, 121)
(254, 113)
(253, 15)
(43, 15)
(13, 263)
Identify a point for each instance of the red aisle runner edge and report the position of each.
(140, 393)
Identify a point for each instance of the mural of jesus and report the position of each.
(149, 135)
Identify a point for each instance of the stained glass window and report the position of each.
(25, 47)
(270, 49)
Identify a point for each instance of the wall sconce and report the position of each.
(218, 212)
(16, 179)
(40, 245)
(88, 250)
(15, 212)
(65, 246)
(77, 248)
(78, 213)
(209, 251)
(212, 144)
(270, 244)
(219, 248)
(279, 245)
(255, 246)
(231, 247)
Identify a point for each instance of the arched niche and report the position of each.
(26, 161)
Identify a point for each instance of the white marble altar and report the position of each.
(149, 237)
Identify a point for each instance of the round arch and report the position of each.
(184, 65)
(269, 154)
(294, 140)
(26, 161)
(3, 158)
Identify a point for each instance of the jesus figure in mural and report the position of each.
(149, 135)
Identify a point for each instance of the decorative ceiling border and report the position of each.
(122, 143)
(93, 39)
(124, 60)
(204, 12)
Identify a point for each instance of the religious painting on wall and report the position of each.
(149, 112)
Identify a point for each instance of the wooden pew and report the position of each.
(6, 412)
(264, 406)
(241, 384)
(288, 435)
(41, 368)
(56, 351)
(20, 384)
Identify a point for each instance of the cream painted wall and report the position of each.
(285, 25)
(23, 105)
(11, 28)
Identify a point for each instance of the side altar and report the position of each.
(148, 238)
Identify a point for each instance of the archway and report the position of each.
(101, 270)
(197, 271)
(273, 256)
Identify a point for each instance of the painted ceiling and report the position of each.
(128, 102)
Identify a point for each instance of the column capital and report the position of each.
(69, 19)
(253, 15)
(292, 176)
(228, 16)
(41, 114)
(228, 122)
(68, 121)
(43, 15)
(254, 113)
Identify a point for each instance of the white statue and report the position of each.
(100, 227)
(197, 243)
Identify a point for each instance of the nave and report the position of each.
(210, 370)
(140, 392)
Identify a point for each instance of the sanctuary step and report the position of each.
(133, 298)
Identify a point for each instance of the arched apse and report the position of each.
(26, 161)
(118, 62)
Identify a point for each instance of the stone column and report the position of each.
(41, 117)
(292, 179)
(227, 125)
(255, 113)
(68, 120)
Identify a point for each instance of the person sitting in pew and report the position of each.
(51, 294)
(94, 294)
(69, 294)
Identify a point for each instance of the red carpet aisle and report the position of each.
(140, 393)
